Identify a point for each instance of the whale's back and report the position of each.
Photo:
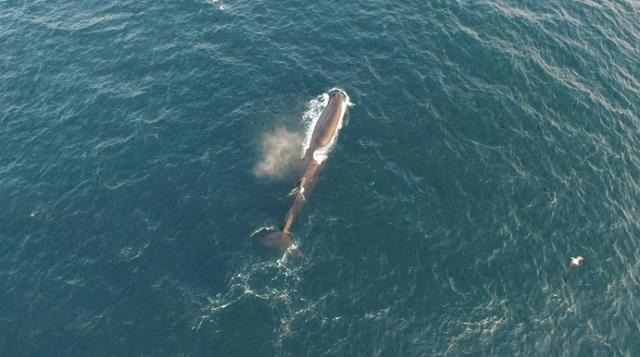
(327, 125)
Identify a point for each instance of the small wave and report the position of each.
(219, 4)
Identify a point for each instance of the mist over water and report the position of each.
(280, 151)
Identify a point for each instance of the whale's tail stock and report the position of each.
(283, 241)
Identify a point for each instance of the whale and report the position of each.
(323, 136)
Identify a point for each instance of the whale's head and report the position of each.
(340, 96)
(339, 93)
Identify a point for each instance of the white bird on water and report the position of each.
(576, 261)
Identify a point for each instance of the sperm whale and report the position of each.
(324, 133)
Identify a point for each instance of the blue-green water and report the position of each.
(490, 142)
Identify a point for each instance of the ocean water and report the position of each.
(490, 141)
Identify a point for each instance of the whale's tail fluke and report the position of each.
(283, 241)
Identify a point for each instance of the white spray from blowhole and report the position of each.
(280, 150)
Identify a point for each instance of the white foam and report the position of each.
(265, 228)
(310, 118)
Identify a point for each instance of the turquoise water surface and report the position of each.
(490, 141)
